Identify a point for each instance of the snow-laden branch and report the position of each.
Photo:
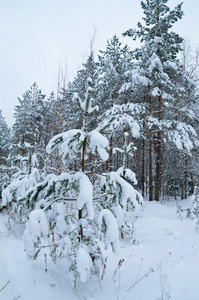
(125, 116)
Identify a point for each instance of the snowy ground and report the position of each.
(168, 251)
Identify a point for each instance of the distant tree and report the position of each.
(24, 175)
(114, 62)
(5, 134)
(28, 125)
(5, 139)
(79, 85)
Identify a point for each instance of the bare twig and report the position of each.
(4, 286)
(104, 268)
(135, 283)
(118, 267)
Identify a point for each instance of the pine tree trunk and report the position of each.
(46, 138)
(83, 169)
(62, 125)
(90, 162)
(185, 177)
(102, 167)
(158, 166)
(83, 156)
(111, 148)
(150, 157)
(143, 167)
(53, 133)
(182, 184)
(111, 154)
(158, 154)
(150, 168)
(125, 154)
(162, 176)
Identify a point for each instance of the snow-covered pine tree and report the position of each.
(127, 150)
(4, 151)
(158, 68)
(49, 117)
(114, 62)
(121, 197)
(4, 139)
(31, 124)
(79, 85)
(189, 113)
(123, 118)
(72, 230)
(29, 118)
(65, 203)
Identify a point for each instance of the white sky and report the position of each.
(37, 35)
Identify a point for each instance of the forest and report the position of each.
(78, 165)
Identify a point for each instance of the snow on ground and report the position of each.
(164, 265)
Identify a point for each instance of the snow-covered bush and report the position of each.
(61, 199)
(122, 199)
(191, 212)
(36, 231)
(127, 150)
(4, 177)
(110, 230)
(25, 178)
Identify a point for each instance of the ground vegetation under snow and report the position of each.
(161, 264)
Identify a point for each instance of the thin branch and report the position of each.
(193, 173)
(4, 286)
(100, 196)
(145, 275)
(71, 199)
(42, 247)
(137, 98)
(57, 200)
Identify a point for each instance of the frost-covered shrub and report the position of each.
(4, 177)
(25, 178)
(122, 199)
(129, 174)
(195, 204)
(109, 227)
(192, 212)
(36, 232)
(84, 263)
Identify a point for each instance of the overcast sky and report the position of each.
(37, 35)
